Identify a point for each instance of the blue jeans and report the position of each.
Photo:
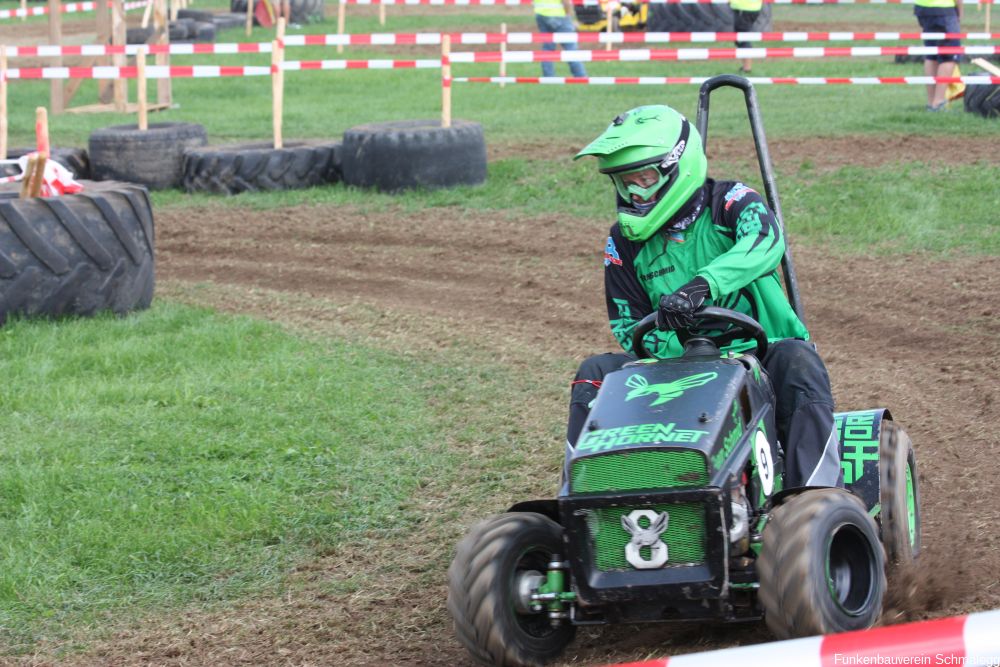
(558, 24)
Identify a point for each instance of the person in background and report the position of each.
(555, 16)
(745, 13)
(939, 16)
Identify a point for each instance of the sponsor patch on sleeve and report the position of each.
(611, 255)
(736, 193)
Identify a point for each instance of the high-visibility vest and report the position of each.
(748, 5)
(935, 3)
(549, 8)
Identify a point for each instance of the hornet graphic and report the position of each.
(665, 391)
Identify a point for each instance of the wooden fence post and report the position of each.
(42, 131)
(3, 102)
(277, 89)
(341, 19)
(140, 66)
(119, 60)
(249, 24)
(445, 80)
(164, 91)
(503, 52)
(56, 98)
(608, 16)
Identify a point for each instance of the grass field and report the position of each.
(182, 459)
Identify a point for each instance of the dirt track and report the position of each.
(915, 334)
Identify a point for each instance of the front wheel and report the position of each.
(900, 496)
(496, 568)
(822, 567)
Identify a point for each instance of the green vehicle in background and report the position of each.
(672, 504)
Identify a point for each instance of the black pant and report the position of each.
(743, 21)
(803, 410)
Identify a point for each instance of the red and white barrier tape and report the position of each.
(633, 55)
(197, 48)
(434, 38)
(211, 71)
(970, 641)
(515, 3)
(759, 80)
(68, 8)
(292, 65)
(647, 55)
(152, 72)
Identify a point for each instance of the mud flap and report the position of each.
(859, 432)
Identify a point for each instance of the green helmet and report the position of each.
(657, 162)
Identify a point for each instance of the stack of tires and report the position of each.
(153, 157)
(390, 157)
(676, 17)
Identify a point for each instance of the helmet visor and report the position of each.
(643, 185)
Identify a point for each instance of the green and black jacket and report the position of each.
(734, 243)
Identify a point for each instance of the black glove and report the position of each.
(677, 309)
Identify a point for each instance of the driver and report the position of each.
(682, 241)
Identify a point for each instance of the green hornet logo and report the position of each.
(665, 391)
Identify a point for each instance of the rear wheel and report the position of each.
(821, 567)
(496, 568)
(899, 495)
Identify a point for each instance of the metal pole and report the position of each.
(763, 161)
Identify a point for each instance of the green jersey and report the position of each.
(727, 235)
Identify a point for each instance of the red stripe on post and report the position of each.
(182, 71)
(232, 70)
(311, 64)
(941, 641)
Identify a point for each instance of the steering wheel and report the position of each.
(709, 317)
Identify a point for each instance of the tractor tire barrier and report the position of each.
(699, 18)
(153, 157)
(302, 11)
(230, 170)
(414, 153)
(76, 254)
(74, 159)
(983, 99)
(970, 641)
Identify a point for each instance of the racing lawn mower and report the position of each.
(672, 504)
